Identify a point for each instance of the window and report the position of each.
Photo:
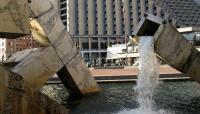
(62, 5)
(63, 11)
(64, 17)
(65, 23)
(62, 0)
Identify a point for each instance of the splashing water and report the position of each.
(148, 74)
(147, 79)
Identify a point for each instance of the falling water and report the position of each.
(147, 79)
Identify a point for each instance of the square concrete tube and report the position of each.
(14, 21)
(25, 73)
(36, 67)
(18, 96)
(74, 74)
(77, 78)
(171, 46)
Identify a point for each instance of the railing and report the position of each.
(104, 63)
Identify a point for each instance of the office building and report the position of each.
(96, 24)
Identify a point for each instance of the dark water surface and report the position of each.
(180, 97)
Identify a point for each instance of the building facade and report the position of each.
(96, 24)
(10, 46)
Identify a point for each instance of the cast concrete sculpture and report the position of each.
(22, 76)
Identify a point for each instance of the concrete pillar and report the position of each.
(109, 17)
(127, 17)
(91, 17)
(14, 45)
(80, 43)
(100, 17)
(118, 13)
(142, 5)
(82, 21)
(158, 11)
(99, 43)
(68, 16)
(90, 43)
(73, 17)
(108, 41)
(150, 5)
(166, 16)
(135, 13)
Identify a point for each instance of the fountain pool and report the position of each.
(147, 96)
(180, 97)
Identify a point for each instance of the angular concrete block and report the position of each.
(20, 55)
(172, 47)
(15, 99)
(78, 78)
(52, 25)
(65, 48)
(192, 65)
(39, 7)
(3, 87)
(37, 68)
(11, 89)
(63, 45)
(57, 35)
(14, 19)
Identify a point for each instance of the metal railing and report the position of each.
(104, 63)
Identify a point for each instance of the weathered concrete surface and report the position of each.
(178, 52)
(52, 27)
(37, 68)
(14, 98)
(14, 19)
(171, 46)
(28, 72)
(77, 74)
(20, 55)
(11, 89)
(51, 106)
(38, 33)
(57, 35)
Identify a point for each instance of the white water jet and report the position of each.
(147, 79)
(148, 74)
